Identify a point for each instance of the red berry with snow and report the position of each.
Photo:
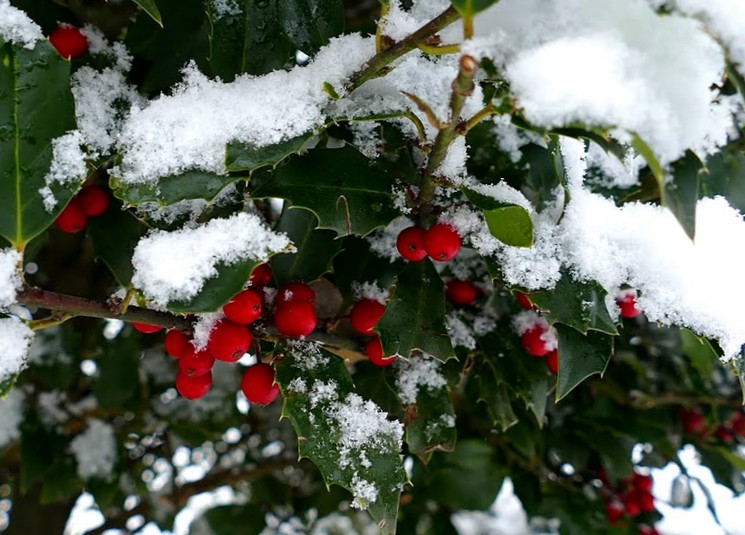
(552, 361)
(461, 293)
(626, 301)
(146, 328)
(229, 341)
(244, 308)
(615, 510)
(194, 362)
(193, 386)
(410, 244)
(295, 291)
(365, 314)
(258, 384)
(295, 318)
(533, 342)
(69, 42)
(260, 276)
(374, 352)
(441, 242)
(72, 218)
(95, 200)
(176, 343)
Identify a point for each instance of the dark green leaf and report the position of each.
(542, 178)
(580, 356)
(471, 7)
(347, 192)
(739, 365)
(613, 449)
(415, 315)
(511, 225)
(151, 8)
(35, 108)
(725, 175)
(190, 185)
(680, 192)
(495, 395)
(315, 247)
(39, 449)
(315, 404)
(700, 352)
(242, 157)
(580, 305)
(6, 385)
(248, 41)
(114, 236)
(357, 263)
(118, 378)
(309, 24)
(61, 481)
(235, 519)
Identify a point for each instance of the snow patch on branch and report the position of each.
(171, 266)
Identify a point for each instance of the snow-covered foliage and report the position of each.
(15, 339)
(10, 280)
(95, 450)
(16, 27)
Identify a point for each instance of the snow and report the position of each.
(95, 450)
(225, 8)
(383, 240)
(16, 27)
(527, 319)
(415, 374)
(10, 277)
(369, 290)
(190, 128)
(203, 327)
(174, 265)
(615, 65)
(68, 166)
(307, 355)
(15, 339)
(11, 416)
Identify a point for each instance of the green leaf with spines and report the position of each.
(357, 263)
(151, 8)
(309, 24)
(241, 157)
(494, 394)
(580, 356)
(315, 387)
(414, 318)
(348, 192)
(169, 190)
(680, 191)
(511, 225)
(35, 108)
(116, 253)
(471, 7)
(580, 305)
(250, 40)
(315, 247)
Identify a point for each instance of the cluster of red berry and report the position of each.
(91, 201)
(363, 316)
(694, 423)
(69, 41)
(631, 498)
(440, 242)
(537, 340)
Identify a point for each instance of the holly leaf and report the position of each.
(580, 356)
(188, 186)
(349, 439)
(118, 379)
(247, 39)
(357, 263)
(511, 225)
(309, 24)
(347, 192)
(680, 192)
(468, 8)
(242, 157)
(151, 8)
(35, 108)
(116, 253)
(494, 394)
(414, 317)
(233, 520)
(315, 247)
(580, 305)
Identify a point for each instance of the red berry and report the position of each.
(295, 318)
(193, 386)
(642, 482)
(552, 361)
(95, 200)
(646, 502)
(69, 42)
(365, 314)
(260, 276)
(229, 341)
(72, 218)
(244, 308)
(146, 328)
(533, 343)
(524, 301)
(441, 242)
(258, 384)
(461, 293)
(737, 424)
(374, 352)
(627, 303)
(615, 510)
(723, 434)
(631, 505)
(295, 291)
(194, 362)
(176, 343)
(410, 244)
(692, 421)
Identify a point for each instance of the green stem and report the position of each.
(378, 63)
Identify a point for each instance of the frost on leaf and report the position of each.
(10, 279)
(172, 266)
(15, 339)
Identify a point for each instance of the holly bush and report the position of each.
(400, 255)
